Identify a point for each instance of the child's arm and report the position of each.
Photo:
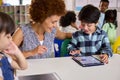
(106, 48)
(72, 47)
(1, 75)
(75, 52)
(20, 62)
(105, 27)
(61, 35)
(1, 78)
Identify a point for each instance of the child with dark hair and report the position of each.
(7, 65)
(68, 22)
(90, 40)
(103, 6)
(110, 26)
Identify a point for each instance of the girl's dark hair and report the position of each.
(111, 15)
(89, 14)
(68, 18)
(6, 23)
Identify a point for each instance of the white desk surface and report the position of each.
(67, 69)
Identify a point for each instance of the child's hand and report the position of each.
(104, 58)
(74, 52)
(12, 49)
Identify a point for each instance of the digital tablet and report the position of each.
(87, 61)
(48, 76)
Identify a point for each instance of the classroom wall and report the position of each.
(118, 29)
(77, 4)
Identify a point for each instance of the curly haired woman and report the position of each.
(36, 38)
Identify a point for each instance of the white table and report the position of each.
(67, 69)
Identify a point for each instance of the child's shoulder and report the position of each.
(77, 33)
(100, 31)
(106, 24)
(8, 57)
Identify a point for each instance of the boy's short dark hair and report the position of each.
(68, 18)
(105, 1)
(89, 14)
(6, 23)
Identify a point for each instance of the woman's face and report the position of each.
(4, 40)
(50, 23)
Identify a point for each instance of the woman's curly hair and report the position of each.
(41, 9)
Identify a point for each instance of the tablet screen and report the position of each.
(87, 61)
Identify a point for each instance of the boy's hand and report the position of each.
(74, 52)
(12, 49)
(104, 58)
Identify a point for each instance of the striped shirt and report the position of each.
(96, 43)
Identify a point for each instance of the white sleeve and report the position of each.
(1, 73)
(9, 58)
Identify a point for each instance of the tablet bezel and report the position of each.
(88, 64)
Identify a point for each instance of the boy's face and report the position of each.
(88, 28)
(103, 6)
(4, 40)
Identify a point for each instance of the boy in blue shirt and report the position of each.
(103, 6)
(90, 40)
(7, 64)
